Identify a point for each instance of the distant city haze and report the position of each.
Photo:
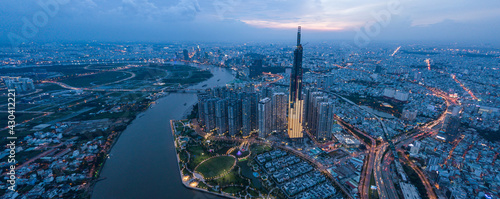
(246, 21)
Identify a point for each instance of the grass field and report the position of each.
(376, 103)
(215, 166)
(97, 79)
(258, 149)
(20, 117)
(233, 189)
(229, 179)
(198, 154)
(49, 87)
(148, 74)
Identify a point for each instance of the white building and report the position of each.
(19, 84)
(415, 148)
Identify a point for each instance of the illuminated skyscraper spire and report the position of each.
(295, 105)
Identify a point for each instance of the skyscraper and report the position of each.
(315, 99)
(296, 103)
(325, 120)
(186, 55)
(279, 112)
(450, 126)
(234, 116)
(254, 101)
(265, 115)
(221, 116)
(208, 108)
(307, 94)
(202, 98)
(246, 117)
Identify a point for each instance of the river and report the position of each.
(143, 161)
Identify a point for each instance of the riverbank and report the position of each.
(114, 141)
(185, 182)
(143, 159)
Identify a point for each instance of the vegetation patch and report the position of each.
(97, 79)
(215, 166)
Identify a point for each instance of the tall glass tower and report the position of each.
(296, 103)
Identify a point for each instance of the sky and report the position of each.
(361, 21)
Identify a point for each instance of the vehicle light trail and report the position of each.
(396, 51)
(465, 88)
(428, 61)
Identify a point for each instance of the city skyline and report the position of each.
(226, 99)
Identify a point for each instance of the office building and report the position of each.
(295, 102)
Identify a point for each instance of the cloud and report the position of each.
(135, 10)
(256, 19)
(349, 15)
(184, 10)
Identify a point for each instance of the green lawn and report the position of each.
(183, 156)
(231, 178)
(148, 73)
(198, 154)
(20, 117)
(376, 104)
(233, 189)
(49, 87)
(258, 149)
(215, 166)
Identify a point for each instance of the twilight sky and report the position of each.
(255, 20)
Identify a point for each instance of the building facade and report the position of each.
(295, 102)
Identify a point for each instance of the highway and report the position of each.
(366, 173)
(405, 139)
(382, 172)
(374, 162)
(374, 159)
